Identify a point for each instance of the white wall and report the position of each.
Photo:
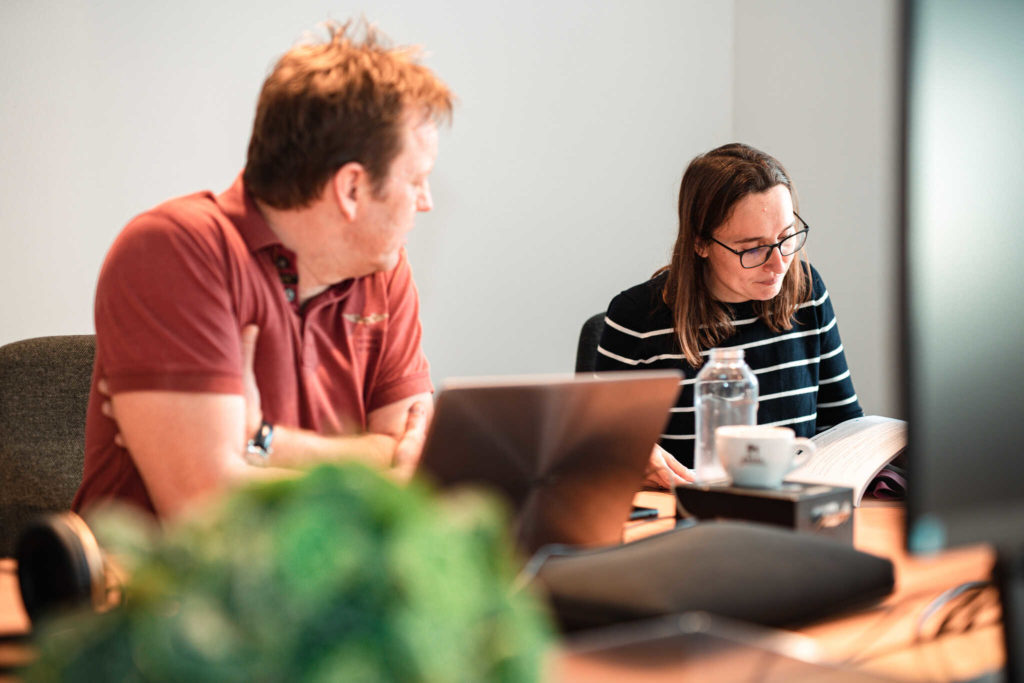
(554, 190)
(815, 85)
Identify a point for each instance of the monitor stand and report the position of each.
(1009, 578)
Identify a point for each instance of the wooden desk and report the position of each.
(880, 639)
(13, 619)
(12, 615)
(883, 639)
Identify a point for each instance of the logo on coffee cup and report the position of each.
(753, 455)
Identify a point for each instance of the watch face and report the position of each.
(255, 455)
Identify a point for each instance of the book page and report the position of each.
(853, 452)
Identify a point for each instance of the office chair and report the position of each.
(590, 335)
(44, 391)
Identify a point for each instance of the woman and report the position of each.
(738, 278)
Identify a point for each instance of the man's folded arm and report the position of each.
(406, 420)
(391, 436)
(187, 446)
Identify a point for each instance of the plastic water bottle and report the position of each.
(725, 394)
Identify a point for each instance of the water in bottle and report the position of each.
(725, 393)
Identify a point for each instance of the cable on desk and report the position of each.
(889, 614)
(970, 588)
(971, 604)
(875, 631)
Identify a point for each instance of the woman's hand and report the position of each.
(664, 471)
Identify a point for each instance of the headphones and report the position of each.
(61, 566)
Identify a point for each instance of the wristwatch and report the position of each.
(258, 450)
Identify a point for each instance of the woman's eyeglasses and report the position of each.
(758, 256)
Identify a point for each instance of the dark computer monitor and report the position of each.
(963, 285)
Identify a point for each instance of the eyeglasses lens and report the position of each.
(793, 243)
(752, 258)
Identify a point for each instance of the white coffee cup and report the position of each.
(759, 456)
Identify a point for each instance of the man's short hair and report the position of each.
(329, 103)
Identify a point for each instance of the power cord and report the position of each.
(889, 615)
(967, 592)
(967, 605)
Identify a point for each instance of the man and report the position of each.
(277, 324)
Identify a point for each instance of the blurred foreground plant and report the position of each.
(338, 575)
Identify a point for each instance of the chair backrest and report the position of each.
(44, 392)
(586, 350)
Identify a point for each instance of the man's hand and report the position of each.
(410, 444)
(664, 471)
(107, 408)
(395, 436)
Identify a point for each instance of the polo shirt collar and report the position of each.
(239, 207)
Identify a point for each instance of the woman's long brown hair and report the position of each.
(712, 185)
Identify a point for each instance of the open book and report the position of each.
(852, 453)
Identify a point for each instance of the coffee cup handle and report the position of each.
(804, 450)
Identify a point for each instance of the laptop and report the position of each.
(567, 453)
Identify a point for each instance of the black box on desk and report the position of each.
(815, 508)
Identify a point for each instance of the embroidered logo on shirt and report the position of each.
(365, 319)
(366, 334)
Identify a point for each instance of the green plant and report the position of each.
(337, 575)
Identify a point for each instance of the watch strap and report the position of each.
(258, 450)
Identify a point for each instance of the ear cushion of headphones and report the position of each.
(54, 569)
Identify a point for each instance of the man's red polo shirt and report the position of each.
(178, 285)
